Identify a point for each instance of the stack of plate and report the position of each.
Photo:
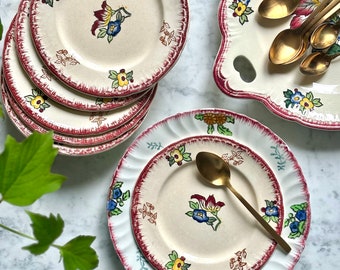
(88, 72)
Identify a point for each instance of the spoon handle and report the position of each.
(265, 224)
(319, 15)
(312, 19)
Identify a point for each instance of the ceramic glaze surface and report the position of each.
(189, 85)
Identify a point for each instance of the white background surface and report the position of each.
(189, 85)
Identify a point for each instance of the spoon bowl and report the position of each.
(316, 63)
(277, 9)
(217, 173)
(287, 46)
(325, 35)
(290, 44)
(213, 169)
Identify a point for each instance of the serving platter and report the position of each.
(242, 68)
(45, 80)
(116, 50)
(55, 116)
(296, 213)
(174, 212)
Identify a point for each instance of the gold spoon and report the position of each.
(277, 9)
(325, 35)
(316, 63)
(290, 44)
(216, 172)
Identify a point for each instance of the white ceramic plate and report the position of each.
(246, 38)
(210, 122)
(47, 82)
(175, 212)
(108, 49)
(64, 149)
(73, 141)
(54, 116)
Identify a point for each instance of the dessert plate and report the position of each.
(64, 149)
(117, 50)
(242, 68)
(54, 116)
(174, 211)
(47, 82)
(75, 141)
(227, 125)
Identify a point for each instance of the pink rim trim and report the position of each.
(65, 149)
(71, 140)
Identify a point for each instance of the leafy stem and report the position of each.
(17, 232)
(26, 166)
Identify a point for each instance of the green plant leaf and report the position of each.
(25, 169)
(1, 29)
(1, 111)
(45, 230)
(78, 255)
